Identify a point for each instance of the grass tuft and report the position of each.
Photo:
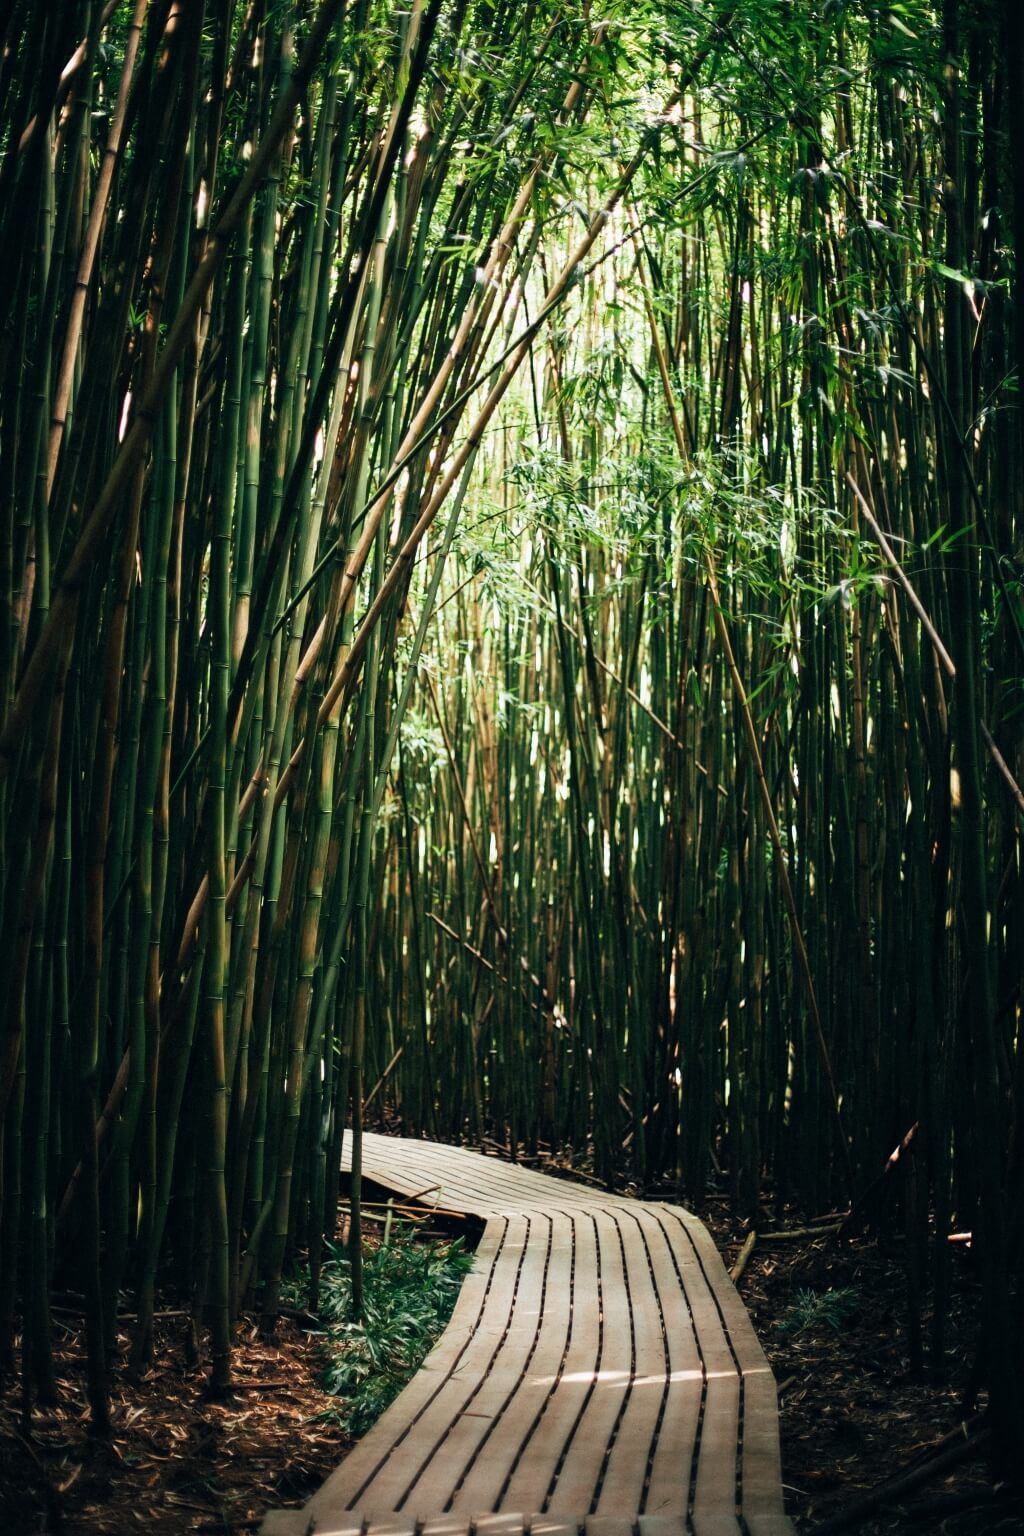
(817, 1309)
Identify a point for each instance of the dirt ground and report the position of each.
(852, 1416)
(831, 1314)
(175, 1462)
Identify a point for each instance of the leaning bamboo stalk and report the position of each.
(95, 526)
(94, 233)
(939, 648)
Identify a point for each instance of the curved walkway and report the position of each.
(599, 1374)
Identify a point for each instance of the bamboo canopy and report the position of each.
(511, 624)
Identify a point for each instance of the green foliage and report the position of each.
(410, 1288)
(813, 1310)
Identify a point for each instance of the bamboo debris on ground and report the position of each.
(961, 1444)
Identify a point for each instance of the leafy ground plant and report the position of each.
(812, 1310)
(410, 1289)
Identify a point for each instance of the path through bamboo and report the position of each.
(599, 1374)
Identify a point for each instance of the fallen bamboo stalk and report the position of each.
(952, 1449)
(416, 1215)
(736, 1273)
(792, 1234)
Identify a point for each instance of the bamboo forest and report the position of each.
(512, 636)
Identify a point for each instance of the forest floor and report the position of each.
(175, 1462)
(856, 1423)
(830, 1315)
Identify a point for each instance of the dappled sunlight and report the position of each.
(623, 1378)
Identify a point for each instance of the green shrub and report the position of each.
(410, 1288)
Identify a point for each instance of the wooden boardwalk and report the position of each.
(599, 1375)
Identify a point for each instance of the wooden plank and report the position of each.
(717, 1452)
(760, 1460)
(609, 1525)
(448, 1433)
(661, 1525)
(448, 1377)
(473, 1441)
(567, 1392)
(576, 1480)
(499, 1525)
(486, 1481)
(554, 1525)
(443, 1438)
(715, 1525)
(419, 1170)
(286, 1522)
(735, 1315)
(341, 1524)
(715, 1491)
(760, 1473)
(625, 1471)
(481, 1184)
(671, 1458)
(445, 1525)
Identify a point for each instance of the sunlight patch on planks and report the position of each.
(599, 1376)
